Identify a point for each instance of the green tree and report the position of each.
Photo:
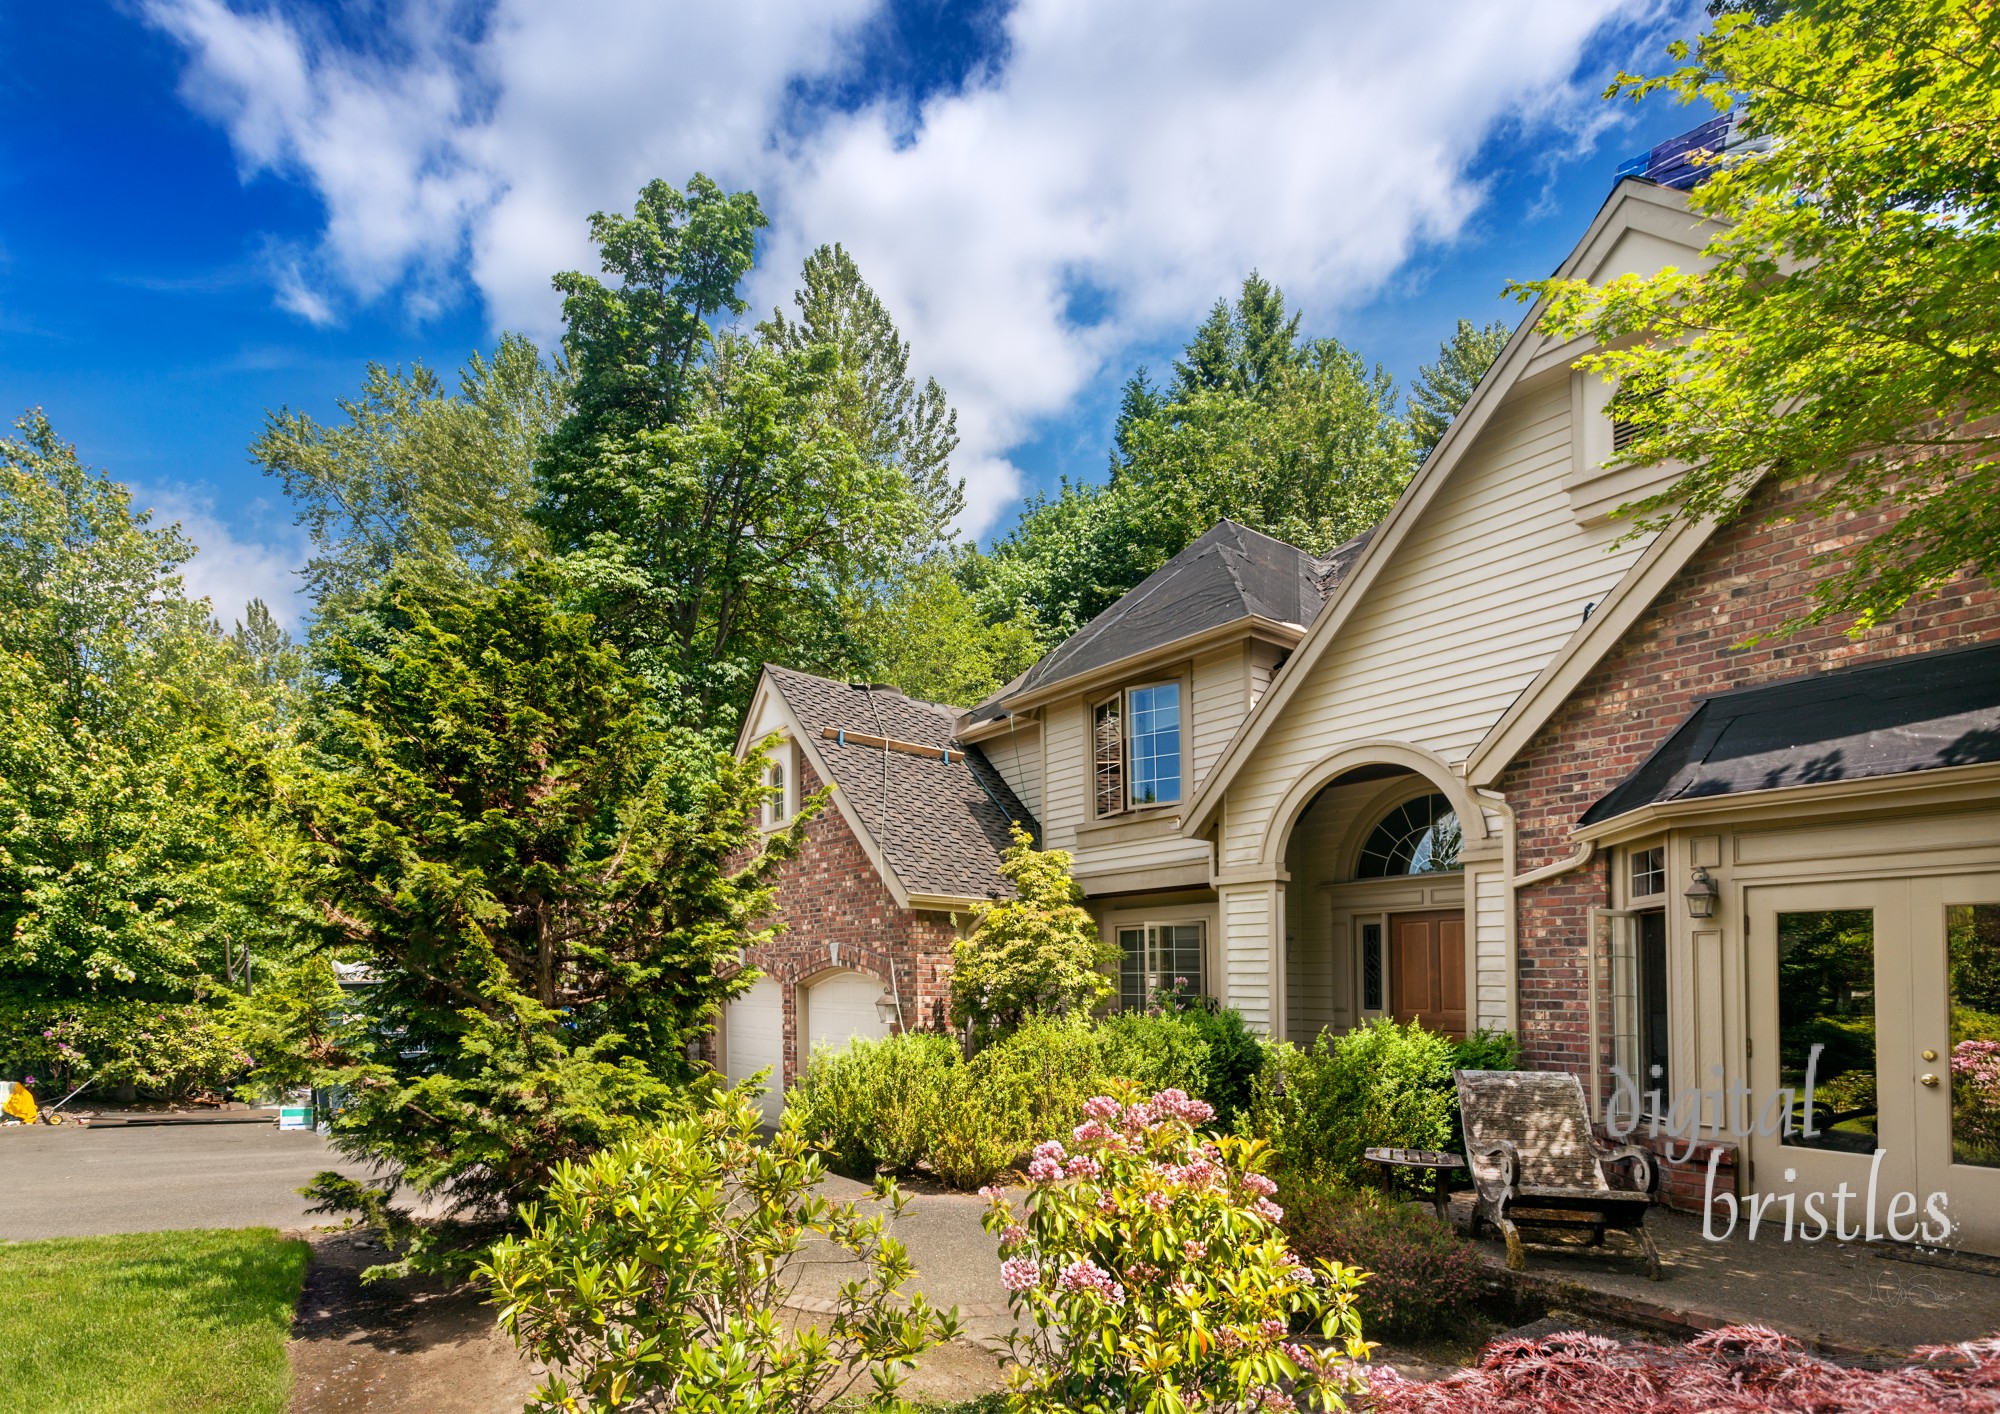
(1442, 388)
(417, 477)
(1840, 337)
(1297, 438)
(1036, 954)
(720, 499)
(927, 637)
(124, 867)
(890, 418)
(553, 903)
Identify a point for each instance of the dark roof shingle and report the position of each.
(1919, 713)
(941, 826)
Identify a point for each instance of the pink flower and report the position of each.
(1194, 1251)
(1101, 1107)
(1014, 1236)
(1085, 1275)
(1156, 1200)
(1020, 1273)
(993, 1194)
(1273, 1329)
(1083, 1166)
(1175, 1104)
(1045, 1171)
(1270, 1397)
(1091, 1131)
(1051, 1149)
(1260, 1185)
(1267, 1210)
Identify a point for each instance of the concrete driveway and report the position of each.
(73, 1181)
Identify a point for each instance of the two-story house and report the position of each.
(1502, 763)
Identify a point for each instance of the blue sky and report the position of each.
(213, 207)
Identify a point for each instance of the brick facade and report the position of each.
(1749, 578)
(837, 913)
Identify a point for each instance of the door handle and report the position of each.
(1930, 1055)
(1930, 1080)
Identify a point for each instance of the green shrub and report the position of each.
(1154, 1052)
(168, 1050)
(1036, 954)
(874, 1105)
(1488, 1050)
(1422, 1277)
(1380, 1084)
(1146, 1270)
(1235, 1056)
(1032, 1083)
(651, 1277)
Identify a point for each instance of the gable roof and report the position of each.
(1920, 713)
(1633, 203)
(938, 824)
(1230, 574)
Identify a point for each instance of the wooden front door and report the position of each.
(1427, 970)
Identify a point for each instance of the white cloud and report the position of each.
(1151, 150)
(227, 569)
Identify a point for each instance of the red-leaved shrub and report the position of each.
(1422, 1276)
(1735, 1370)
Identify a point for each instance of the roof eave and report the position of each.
(1248, 626)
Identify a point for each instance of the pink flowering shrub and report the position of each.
(1147, 1270)
(1735, 1370)
(173, 1050)
(1975, 1096)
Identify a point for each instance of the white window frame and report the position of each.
(1121, 702)
(778, 812)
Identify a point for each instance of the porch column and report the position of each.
(1252, 914)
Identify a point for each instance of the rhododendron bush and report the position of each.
(1147, 1271)
(1736, 1370)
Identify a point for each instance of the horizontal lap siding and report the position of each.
(1017, 756)
(1218, 708)
(1246, 923)
(1067, 784)
(1489, 584)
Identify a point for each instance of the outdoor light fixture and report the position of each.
(888, 1008)
(1702, 894)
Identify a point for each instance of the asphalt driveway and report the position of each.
(73, 1181)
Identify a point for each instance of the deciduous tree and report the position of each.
(1840, 335)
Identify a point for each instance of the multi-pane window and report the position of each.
(1136, 748)
(1371, 967)
(1419, 836)
(777, 807)
(1107, 735)
(1649, 871)
(1156, 958)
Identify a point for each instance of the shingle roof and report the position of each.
(1231, 572)
(940, 826)
(1919, 713)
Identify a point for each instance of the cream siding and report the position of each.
(1066, 767)
(1017, 755)
(1248, 974)
(1218, 706)
(1263, 664)
(1484, 589)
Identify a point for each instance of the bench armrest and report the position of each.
(1510, 1162)
(1607, 1154)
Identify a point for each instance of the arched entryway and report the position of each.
(1375, 904)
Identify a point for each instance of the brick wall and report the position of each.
(1748, 579)
(838, 913)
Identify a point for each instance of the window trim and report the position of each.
(1628, 883)
(778, 813)
(1121, 702)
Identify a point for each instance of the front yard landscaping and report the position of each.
(146, 1322)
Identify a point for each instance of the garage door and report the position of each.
(841, 1008)
(753, 1039)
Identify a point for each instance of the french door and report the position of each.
(1886, 995)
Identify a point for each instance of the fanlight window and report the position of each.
(1420, 836)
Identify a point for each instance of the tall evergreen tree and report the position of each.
(1441, 388)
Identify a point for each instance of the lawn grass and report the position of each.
(148, 1322)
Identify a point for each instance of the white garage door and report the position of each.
(841, 1008)
(753, 1039)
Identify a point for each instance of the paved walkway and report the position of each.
(74, 1181)
(1844, 1297)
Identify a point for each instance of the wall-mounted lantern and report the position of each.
(889, 1009)
(1702, 894)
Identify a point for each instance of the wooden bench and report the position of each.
(1537, 1166)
